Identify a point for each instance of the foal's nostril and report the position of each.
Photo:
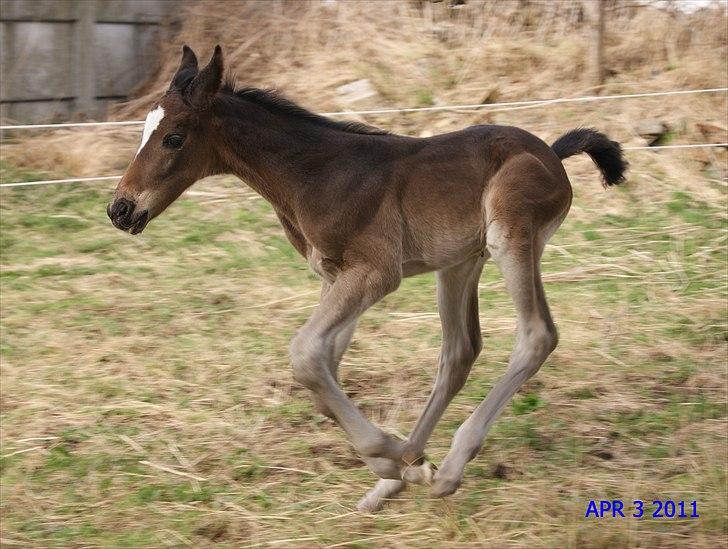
(121, 208)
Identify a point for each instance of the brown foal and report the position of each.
(367, 208)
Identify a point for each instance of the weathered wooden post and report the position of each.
(594, 13)
(83, 58)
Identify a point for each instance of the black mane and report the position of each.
(274, 101)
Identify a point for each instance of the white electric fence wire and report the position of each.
(686, 146)
(59, 181)
(516, 104)
(114, 177)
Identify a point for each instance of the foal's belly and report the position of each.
(440, 259)
(412, 268)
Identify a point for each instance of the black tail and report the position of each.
(605, 153)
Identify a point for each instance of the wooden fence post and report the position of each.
(83, 58)
(594, 12)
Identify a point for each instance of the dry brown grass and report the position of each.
(417, 57)
(147, 398)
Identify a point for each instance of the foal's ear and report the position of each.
(186, 71)
(207, 82)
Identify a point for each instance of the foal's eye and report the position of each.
(173, 141)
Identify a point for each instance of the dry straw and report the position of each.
(426, 56)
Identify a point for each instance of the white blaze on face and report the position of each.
(150, 124)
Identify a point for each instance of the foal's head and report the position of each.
(177, 145)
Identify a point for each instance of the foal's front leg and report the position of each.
(313, 351)
(341, 342)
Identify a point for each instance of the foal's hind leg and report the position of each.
(457, 300)
(517, 252)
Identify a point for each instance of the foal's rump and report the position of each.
(526, 194)
(531, 186)
(449, 188)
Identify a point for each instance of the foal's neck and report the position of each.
(279, 155)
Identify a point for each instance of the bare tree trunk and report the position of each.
(594, 12)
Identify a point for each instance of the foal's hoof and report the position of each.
(419, 474)
(370, 504)
(442, 487)
(375, 498)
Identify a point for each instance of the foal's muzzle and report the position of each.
(123, 215)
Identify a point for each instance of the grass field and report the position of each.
(147, 399)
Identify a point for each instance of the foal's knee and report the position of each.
(459, 358)
(307, 354)
(538, 343)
